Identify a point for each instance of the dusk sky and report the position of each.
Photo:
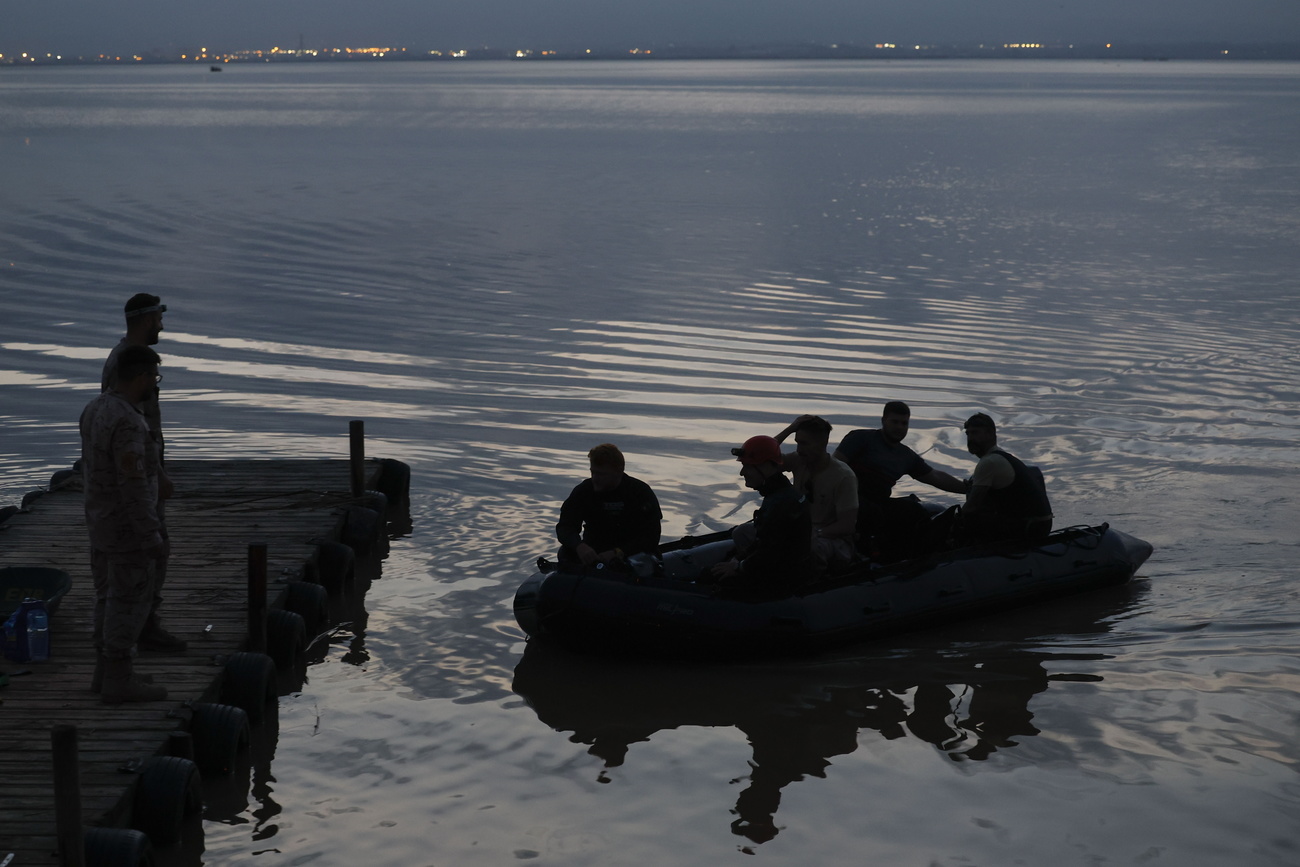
(90, 26)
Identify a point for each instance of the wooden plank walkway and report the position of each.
(220, 508)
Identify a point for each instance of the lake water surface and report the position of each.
(500, 265)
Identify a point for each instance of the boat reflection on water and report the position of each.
(966, 690)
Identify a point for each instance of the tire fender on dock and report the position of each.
(117, 847)
(336, 565)
(165, 794)
(286, 637)
(311, 603)
(394, 482)
(249, 683)
(362, 527)
(220, 733)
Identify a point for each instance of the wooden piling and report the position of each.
(257, 597)
(357, 450)
(67, 796)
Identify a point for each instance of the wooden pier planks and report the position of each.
(220, 508)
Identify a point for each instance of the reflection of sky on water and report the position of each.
(1101, 256)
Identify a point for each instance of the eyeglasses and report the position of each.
(157, 378)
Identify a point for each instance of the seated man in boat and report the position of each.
(771, 550)
(831, 489)
(1007, 500)
(890, 527)
(609, 516)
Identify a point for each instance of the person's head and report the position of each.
(607, 466)
(981, 434)
(894, 420)
(810, 439)
(144, 318)
(137, 372)
(760, 459)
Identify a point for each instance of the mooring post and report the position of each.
(357, 441)
(67, 796)
(257, 597)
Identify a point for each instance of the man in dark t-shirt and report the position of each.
(773, 550)
(879, 459)
(609, 516)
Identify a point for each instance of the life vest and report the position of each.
(1025, 497)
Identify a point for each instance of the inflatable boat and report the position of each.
(656, 607)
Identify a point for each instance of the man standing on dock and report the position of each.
(144, 322)
(120, 464)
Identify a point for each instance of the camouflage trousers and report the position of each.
(126, 586)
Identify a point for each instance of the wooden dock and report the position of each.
(219, 509)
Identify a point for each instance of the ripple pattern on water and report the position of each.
(499, 267)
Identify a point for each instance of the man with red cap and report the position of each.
(772, 551)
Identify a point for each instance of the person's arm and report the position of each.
(791, 459)
(943, 481)
(569, 528)
(991, 472)
(726, 568)
(139, 493)
(649, 526)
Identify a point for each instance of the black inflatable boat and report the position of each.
(662, 612)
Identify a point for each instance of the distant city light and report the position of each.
(279, 53)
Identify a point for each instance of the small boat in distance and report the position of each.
(661, 612)
(214, 69)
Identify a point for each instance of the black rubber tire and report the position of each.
(286, 637)
(311, 602)
(249, 683)
(394, 482)
(62, 477)
(336, 564)
(220, 734)
(361, 528)
(117, 847)
(376, 500)
(166, 792)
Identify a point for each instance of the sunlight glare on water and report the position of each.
(498, 266)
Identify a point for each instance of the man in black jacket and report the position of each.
(610, 516)
(772, 552)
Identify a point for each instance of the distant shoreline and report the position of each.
(881, 51)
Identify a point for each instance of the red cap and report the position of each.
(758, 450)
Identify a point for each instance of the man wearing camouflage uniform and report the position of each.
(120, 464)
(144, 322)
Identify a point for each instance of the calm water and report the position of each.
(500, 265)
